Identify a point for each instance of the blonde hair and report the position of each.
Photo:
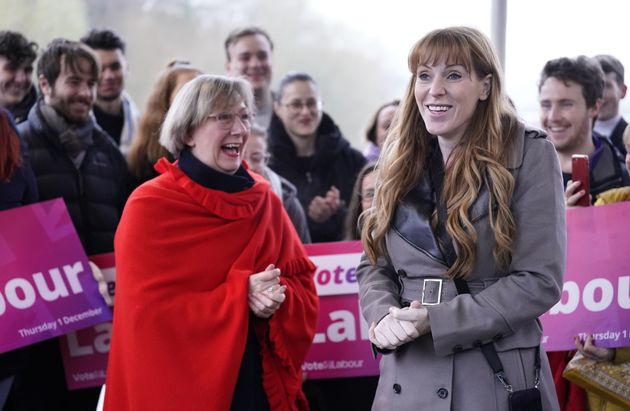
(479, 159)
(195, 101)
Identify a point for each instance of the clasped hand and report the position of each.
(400, 326)
(265, 292)
(322, 208)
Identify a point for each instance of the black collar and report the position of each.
(211, 178)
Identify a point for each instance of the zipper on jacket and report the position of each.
(308, 177)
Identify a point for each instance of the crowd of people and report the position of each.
(208, 194)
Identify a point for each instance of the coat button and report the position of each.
(442, 393)
(458, 348)
(497, 337)
(397, 388)
(402, 273)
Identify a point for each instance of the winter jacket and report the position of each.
(335, 163)
(616, 137)
(94, 194)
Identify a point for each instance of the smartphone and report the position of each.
(579, 170)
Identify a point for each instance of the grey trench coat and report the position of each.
(443, 370)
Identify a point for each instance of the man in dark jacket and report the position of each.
(17, 93)
(73, 158)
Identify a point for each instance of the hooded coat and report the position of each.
(335, 163)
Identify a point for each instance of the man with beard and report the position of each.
(114, 109)
(17, 55)
(570, 95)
(249, 51)
(609, 122)
(72, 158)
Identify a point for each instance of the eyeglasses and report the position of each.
(368, 194)
(226, 119)
(296, 106)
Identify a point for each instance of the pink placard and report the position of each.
(595, 298)
(84, 352)
(46, 285)
(341, 347)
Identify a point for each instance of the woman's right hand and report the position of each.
(265, 292)
(391, 333)
(572, 195)
(589, 350)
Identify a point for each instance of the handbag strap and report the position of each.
(436, 171)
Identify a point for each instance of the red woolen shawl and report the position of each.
(183, 257)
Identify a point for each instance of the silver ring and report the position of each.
(270, 290)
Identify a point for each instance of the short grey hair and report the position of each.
(195, 101)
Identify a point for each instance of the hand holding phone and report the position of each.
(579, 168)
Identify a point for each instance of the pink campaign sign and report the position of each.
(84, 352)
(341, 347)
(595, 298)
(46, 285)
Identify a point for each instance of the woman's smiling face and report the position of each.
(447, 96)
(218, 141)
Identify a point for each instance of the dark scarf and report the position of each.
(75, 138)
(211, 178)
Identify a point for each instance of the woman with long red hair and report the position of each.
(465, 241)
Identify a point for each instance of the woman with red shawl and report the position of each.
(215, 303)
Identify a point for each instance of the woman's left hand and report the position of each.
(416, 314)
(265, 304)
(589, 350)
(265, 293)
